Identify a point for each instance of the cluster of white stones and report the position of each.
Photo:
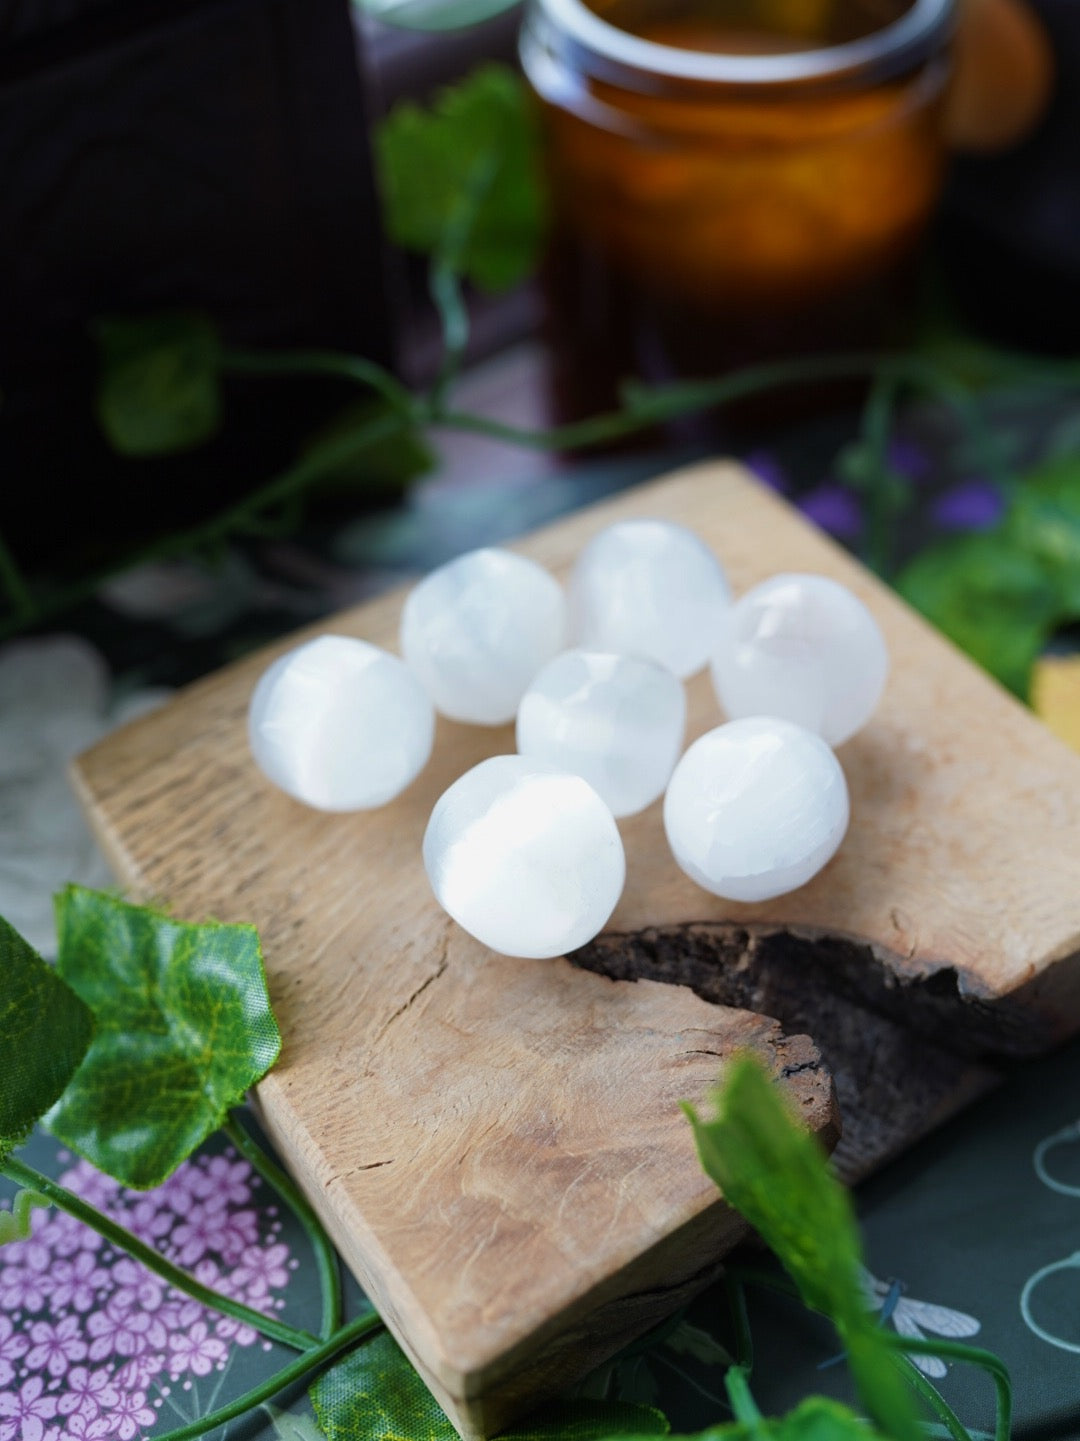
(523, 850)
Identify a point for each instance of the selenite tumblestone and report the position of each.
(340, 724)
(804, 648)
(525, 857)
(755, 808)
(650, 588)
(477, 630)
(618, 721)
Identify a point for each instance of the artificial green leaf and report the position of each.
(387, 464)
(158, 388)
(374, 1394)
(15, 1224)
(991, 598)
(774, 1173)
(46, 1030)
(461, 180)
(433, 14)
(183, 1028)
(1044, 522)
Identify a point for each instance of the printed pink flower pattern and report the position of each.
(90, 1340)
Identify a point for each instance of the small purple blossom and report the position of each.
(55, 1346)
(13, 1347)
(65, 1236)
(834, 509)
(908, 458)
(224, 1180)
(76, 1282)
(125, 1331)
(972, 505)
(87, 1392)
(130, 1413)
(87, 1428)
(147, 1220)
(195, 1351)
(23, 1413)
(260, 1269)
(92, 1185)
(22, 1289)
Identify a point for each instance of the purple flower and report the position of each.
(131, 1412)
(22, 1289)
(55, 1346)
(147, 1221)
(137, 1287)
(124, 1331)
(87, 1428)
(13, 1346)
(834, 509)
(24, 1412)
(33, 1254)
(239, 1332)
(136, 1374)
(178, 1192)
(971, 505)
(87, 1392)
(260, 1269)
(75, 1283)
(224, 1181)
(195, 1351)
(92, 1185)
(67, 1237)
(909, 459)
(206, 1229)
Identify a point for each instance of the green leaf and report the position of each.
(184, 1027)
(461, 180)
(374, 1394)
(433, 14)
(158, 389)
(1044, 523)
(46, 1030)
(15, 1224)
(387, 464)
(989, 596)
(775, 1174)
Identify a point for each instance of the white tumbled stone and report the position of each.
(756, 808)
(525, 857)
(804, 648)
(477, 630)
(340, 724)
(616, 720)
(650, 588)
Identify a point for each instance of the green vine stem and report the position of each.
(743, 1405)
(24, 1175)
(326, 1261)
(974, 1356)
(295, 1371)
(932, 1397)
(354, 368)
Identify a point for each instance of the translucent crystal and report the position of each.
(340, 724)
(805, 648)
(525, 857)
(649, 588)
(477, 630)
(616, 720)
(755, 808)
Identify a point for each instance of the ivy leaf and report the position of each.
(774, 1173)
(375, 1394)
(46, 1031)
(388, 463)
(183, 1028)
(815, 1419)
(158, 390)
(1044, 523)
(991, 597)
(462, 179)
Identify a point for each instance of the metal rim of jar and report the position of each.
(608, 53)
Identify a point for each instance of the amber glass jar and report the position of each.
(733, 180)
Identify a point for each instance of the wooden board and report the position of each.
(494, 1144)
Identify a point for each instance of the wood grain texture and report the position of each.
(495, 1144)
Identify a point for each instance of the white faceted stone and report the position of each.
(477, 630)
(755, 808)
(649, 588)
(805, 648)
(340, 724)
(616, 720)
(525, 857)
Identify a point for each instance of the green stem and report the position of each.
(295, 1371)
(974, 1356)
(932, 1396)
(326, 1260)
(743, 1404)
(14, 583)
(15, 1224)
(744, 1340)
(24, 1175)
(321, 362)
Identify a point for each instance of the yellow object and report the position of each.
(1055, 694)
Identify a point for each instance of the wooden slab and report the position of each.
(495, 1144)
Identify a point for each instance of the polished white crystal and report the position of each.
(649, 588)
(805, 648)
(616, 720)
(340, 724)
(525, 857)
(477, 630)
(755, 808)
